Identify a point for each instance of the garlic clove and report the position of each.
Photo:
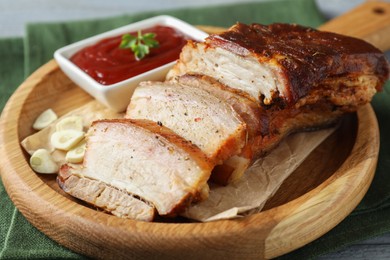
(76, 154)
(42, 162)
(66, 139)
(44, 119)
(71, 122)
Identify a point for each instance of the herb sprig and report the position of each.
(140, 44)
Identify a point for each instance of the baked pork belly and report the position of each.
(194, 113)
(286, 64)
(147, 160)
(227, 101)
(301, 79)
(103, 196)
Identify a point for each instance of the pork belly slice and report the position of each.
(149, 161)
(103, 196)
(281, 63)
(253, 115)
(193, 113)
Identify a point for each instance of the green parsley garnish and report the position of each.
(140, 45)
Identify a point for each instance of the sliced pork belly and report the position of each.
(253, 115)
(148, 161)
(193, 113)
(103, 196)
(282, 63)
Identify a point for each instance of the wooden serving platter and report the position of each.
(314, 199)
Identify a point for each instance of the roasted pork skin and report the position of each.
(283, 63)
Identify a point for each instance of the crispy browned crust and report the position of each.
(306, 56)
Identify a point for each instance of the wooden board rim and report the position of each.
(268, 234)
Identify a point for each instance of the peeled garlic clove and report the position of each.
(76, 155)
(42, 162)
(71, 122)
(66, 139)
(44, 119)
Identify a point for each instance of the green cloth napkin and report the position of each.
(20, 57)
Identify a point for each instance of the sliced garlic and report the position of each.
(71, 122)
(42, 162)
(44, 119)
(76, 154)
(66, 139)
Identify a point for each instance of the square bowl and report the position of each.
(117, 96)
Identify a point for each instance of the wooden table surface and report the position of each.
(15, 14)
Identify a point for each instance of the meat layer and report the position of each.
(192, 112)
(251, 112)
(103, 196)
(282, 63)
(149, 161)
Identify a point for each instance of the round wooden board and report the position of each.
(317, 196)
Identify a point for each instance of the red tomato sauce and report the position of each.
(109, 64)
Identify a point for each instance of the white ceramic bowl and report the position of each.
(117, 96)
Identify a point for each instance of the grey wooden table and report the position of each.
(14, 14)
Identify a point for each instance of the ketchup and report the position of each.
(109, 64)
